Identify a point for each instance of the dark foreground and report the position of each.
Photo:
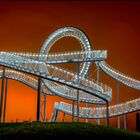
(65, 130)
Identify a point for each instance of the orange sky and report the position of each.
(111, 26)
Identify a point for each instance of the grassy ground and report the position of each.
(44, 130)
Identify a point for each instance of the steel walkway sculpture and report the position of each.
(75, 86)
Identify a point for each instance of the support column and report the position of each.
(38, 99)
(118, 102)
(138, 122)
(78, 69)
(73, 111)
(86, 107)
(98, 76)
(5, 100)
(125, 121)
(107, 114)
(45, 96)
(77, 105)
(2, 93)
(64, 119)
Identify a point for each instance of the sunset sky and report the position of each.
(111, 26)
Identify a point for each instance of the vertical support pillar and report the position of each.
(5, 100)
(107, 114)
(38, 99)
(118, 102)
(98, 76)
(86, 107)
(45, 96)
(73, 111)
(125, 121)
(138, 122)
(77, 105)
(2, 93)
(64, 119)
(78, 69)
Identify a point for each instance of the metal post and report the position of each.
(125, 121)
(77, 105)
(98, 76)
(138, 122)
(45, 107)
(118, 102)
(64, 119)
(2, 93)
(86, 107)
(5, 100)
(107, 114)
(73, 111)
(38, 99)
(78, 69)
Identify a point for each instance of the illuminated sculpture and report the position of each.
(77, 87)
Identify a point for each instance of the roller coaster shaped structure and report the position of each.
(64, 83)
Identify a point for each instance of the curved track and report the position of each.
(123, 78)
(25, 79)
(65, 83)
(98, 112)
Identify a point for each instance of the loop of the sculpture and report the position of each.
(71, 32)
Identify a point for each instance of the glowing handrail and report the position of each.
(100, 112)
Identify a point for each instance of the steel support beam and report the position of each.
(118, 102)
(45, 96)
(2, 94)
(38, 99)
(73, 111)
(64, 117)
(98, 76)
(138, 121)
(5, 100)
(86, 107)
(107, 114)
(78, 70)
(125, 121)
